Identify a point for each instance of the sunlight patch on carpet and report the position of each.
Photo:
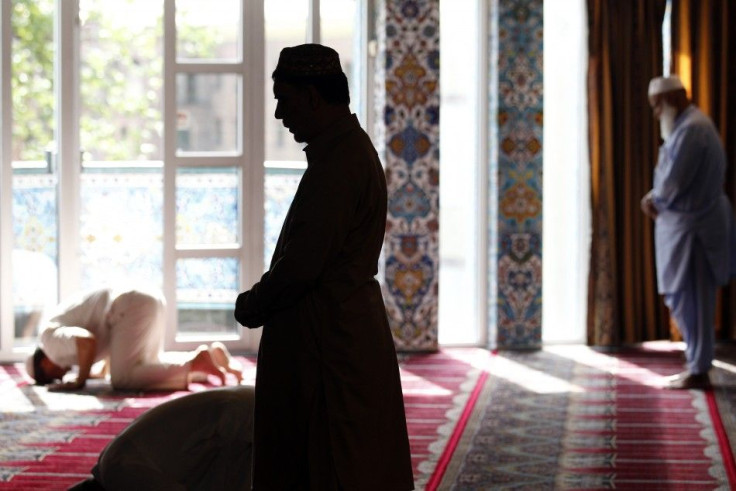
(619, 431)
(724, 366)
(530, 379)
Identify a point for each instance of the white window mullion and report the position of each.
(210, 67)
(249, 159)
(169, 218)
(6, 185)
(253, 140)
(210, 160)
(363, 68)
(313, 23)
(66, 69)
(482, 219)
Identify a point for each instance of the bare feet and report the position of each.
(203, 363)
(221, 357)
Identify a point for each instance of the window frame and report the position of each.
(248, 159)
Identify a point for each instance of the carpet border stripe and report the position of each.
(447, 453)
(723, 442)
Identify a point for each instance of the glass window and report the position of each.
(208, 118)
(120, 131)
(121, 80)
(207, 206)
(280, 188)
(34, 258)
(459, 255)
(206, 289)
(208, 30)
(34, 177)
(98, 216)
(566, 206)
(121, 226)
(339, 29)
(667, 40)
(285, 25)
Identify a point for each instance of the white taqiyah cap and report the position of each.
(660, 85)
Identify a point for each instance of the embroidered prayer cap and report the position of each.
(660, 85)
(308, 60)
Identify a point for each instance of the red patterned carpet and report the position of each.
(440, 390)
(565, 417)
(574, 418)
(51, 440)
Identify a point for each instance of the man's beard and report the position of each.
(667, 121)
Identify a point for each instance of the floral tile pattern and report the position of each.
(411, 156)
(515, 254)
(121, 230)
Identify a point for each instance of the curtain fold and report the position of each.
(625, 52)
(703, 54)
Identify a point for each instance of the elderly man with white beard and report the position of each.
(693, 224)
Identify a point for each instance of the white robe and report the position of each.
(694, 231)
(694, 212)
(129, 328)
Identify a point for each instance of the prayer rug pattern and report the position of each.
(575, 418)
(51, 440)
(437, 392)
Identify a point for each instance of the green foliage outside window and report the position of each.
(121, 78)
(31, 85)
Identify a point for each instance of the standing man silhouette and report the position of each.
(329, 411)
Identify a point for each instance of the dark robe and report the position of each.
(329, 411)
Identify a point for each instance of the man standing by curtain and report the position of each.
(694, 231)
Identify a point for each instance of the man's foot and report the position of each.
(203, 363)
(687, 380)
(221, 357)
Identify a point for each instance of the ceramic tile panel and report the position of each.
(515, 222)
(409, 41)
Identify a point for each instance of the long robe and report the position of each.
(694, 231)
(694, 212)
(329, 411)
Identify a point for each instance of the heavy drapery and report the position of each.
(625, 52)
(703, 51)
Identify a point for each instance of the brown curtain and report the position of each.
(704, 56)
(625, 52)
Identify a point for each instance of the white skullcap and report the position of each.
(660, 85)
(29, 367)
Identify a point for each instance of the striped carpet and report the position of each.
(51, 440)
(440, 389)
(565, 417)
(574, 418)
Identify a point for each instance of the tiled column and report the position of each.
(408, 92)
(515, 188)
